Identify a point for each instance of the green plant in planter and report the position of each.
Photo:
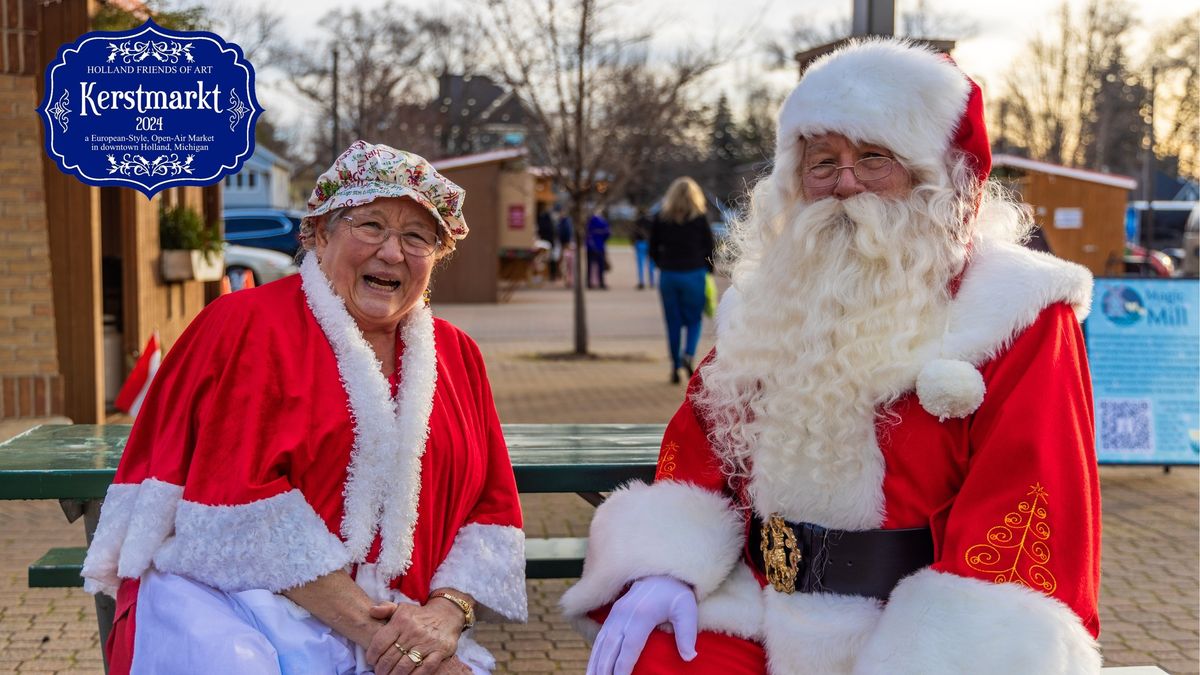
(180, 227)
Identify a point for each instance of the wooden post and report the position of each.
(874, 17)
(73, 219)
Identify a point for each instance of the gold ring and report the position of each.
(402, 650)
(415, 656)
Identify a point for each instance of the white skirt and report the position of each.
(184, 627)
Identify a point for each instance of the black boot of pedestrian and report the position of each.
(674, 376)
(687, 365)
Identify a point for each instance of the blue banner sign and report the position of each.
(149, 108)
(1143, 342)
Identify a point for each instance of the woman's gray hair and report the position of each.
(308, 227)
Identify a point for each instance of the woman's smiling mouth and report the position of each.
(380, 283)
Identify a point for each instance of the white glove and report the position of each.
(649, 602)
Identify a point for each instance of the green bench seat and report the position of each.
(551, 558)
(59, 568)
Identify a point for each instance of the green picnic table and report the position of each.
(75, 463)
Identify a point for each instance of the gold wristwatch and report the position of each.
(467, 610)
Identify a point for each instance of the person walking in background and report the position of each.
(566, 247)
(641, 249)
(598, 232)
(546, 232)
(681, 244)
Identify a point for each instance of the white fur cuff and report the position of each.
(488, 561)
(941, 624)
(671, 528)
(272, 544)
(134, 521)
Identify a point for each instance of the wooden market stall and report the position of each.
(500, 212)
(1081, 213)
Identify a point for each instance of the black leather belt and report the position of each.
(812, 559)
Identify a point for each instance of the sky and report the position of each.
(1004, 27)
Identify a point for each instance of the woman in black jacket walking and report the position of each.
(681, 245)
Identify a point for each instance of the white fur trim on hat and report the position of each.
(894, 93)
(950, 388)
(937, 623)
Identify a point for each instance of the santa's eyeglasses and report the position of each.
(826, 174)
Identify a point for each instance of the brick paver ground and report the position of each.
(1150, 595)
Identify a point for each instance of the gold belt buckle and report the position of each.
(781, 554)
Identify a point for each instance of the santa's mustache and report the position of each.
(860, 222)
(862, 210)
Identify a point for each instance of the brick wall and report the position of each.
(30, 384)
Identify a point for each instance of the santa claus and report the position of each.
(887, 463)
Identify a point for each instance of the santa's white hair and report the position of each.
(836, 296)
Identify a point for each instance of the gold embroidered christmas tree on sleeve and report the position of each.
(666, 465)
(1019, 549)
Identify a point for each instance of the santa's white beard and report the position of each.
(834, 310)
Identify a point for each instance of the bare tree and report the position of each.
(383, 89)
(1061, 102)
(1173, 68)
(802, 34)
(601, 109)
(253, 27)
(923, 22)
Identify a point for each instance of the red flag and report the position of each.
(135, 388)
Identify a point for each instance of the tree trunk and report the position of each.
(581, 336)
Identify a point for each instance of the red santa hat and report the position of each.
(895, 93)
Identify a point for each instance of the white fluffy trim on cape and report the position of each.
(383, 482)
(273, 544)
(671, 528)
(943, 624)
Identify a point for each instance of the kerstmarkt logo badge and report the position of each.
(150, 108)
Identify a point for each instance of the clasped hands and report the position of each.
(416, 639)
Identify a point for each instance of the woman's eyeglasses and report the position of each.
(419, 243)
(867, 169)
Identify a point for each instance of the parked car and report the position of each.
(278, 230)
(266, 265)
(1142, 263)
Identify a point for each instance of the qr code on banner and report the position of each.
(1125, 425)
